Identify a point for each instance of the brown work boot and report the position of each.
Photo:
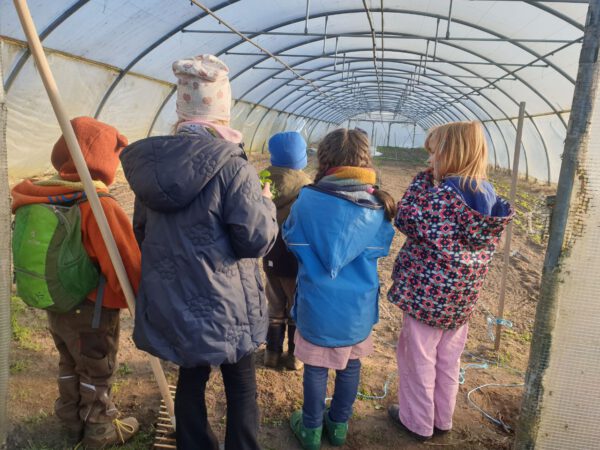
(293, 363)
(103, 435)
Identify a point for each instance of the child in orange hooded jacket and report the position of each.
(88, 355)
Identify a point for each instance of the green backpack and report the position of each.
(52, 268)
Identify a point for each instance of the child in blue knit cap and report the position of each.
(288, 158)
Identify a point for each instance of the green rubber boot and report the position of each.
(336, 432)
(309, 438)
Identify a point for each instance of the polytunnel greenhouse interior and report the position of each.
(526, 70)
(395, 71)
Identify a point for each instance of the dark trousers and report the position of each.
(315, 390)
(88, 358)
(194, 431)
(280, 297)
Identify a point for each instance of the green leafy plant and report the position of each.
(265, 177)
(124, 369)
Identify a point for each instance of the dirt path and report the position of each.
(34, 359)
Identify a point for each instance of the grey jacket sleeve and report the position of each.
(250, 217)
(139, 222)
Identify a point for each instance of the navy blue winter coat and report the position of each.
(201, 222)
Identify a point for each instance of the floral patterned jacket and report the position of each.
(440, 269)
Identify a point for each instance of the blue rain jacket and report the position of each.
(337, 242)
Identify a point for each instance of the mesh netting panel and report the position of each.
(570, 413)
(5, 280)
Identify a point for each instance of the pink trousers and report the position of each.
(428, 369)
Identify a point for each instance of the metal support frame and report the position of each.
(262, 148)
(458, 81)
(388, 10)
(396, 60)
(388, 35)
(43, 35)
(509, 228)
(382, 10)
(257, 128)
(514, 101)
(539, 94)
(449, 20)
(307, 16)
(487, 130)
(459, 47)
(374, 41)
(160, 108)
(149, 49)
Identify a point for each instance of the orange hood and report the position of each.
(57, 191)
(100, 145)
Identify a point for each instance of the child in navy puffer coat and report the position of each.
(453, 221)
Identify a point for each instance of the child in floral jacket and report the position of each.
(453, 221)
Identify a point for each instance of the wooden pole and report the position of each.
(508, 238)
(84, 174)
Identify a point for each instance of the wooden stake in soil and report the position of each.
(508, 238)
(84, 174)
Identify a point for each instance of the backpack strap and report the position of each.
(98, 306)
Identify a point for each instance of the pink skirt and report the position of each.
(331, 357)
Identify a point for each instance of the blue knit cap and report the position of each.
(288, 149)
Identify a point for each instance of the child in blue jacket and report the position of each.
(337, 229)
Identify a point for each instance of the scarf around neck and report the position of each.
(355, 183)
(348, 178)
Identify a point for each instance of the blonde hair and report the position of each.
(343, 147)
(459, 149)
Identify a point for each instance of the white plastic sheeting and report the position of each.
(115, 58)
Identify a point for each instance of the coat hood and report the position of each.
(480, 229)
(100, 146)
(339, 230)
(55, 190)
(168, 172)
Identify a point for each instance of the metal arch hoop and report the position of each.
(149, 49)
(437, 88)
(381, 10)
(523, 47)
(43, 35)
(425, 14)
(160, 108)
(438, 72)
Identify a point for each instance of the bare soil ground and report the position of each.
(34, 358)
